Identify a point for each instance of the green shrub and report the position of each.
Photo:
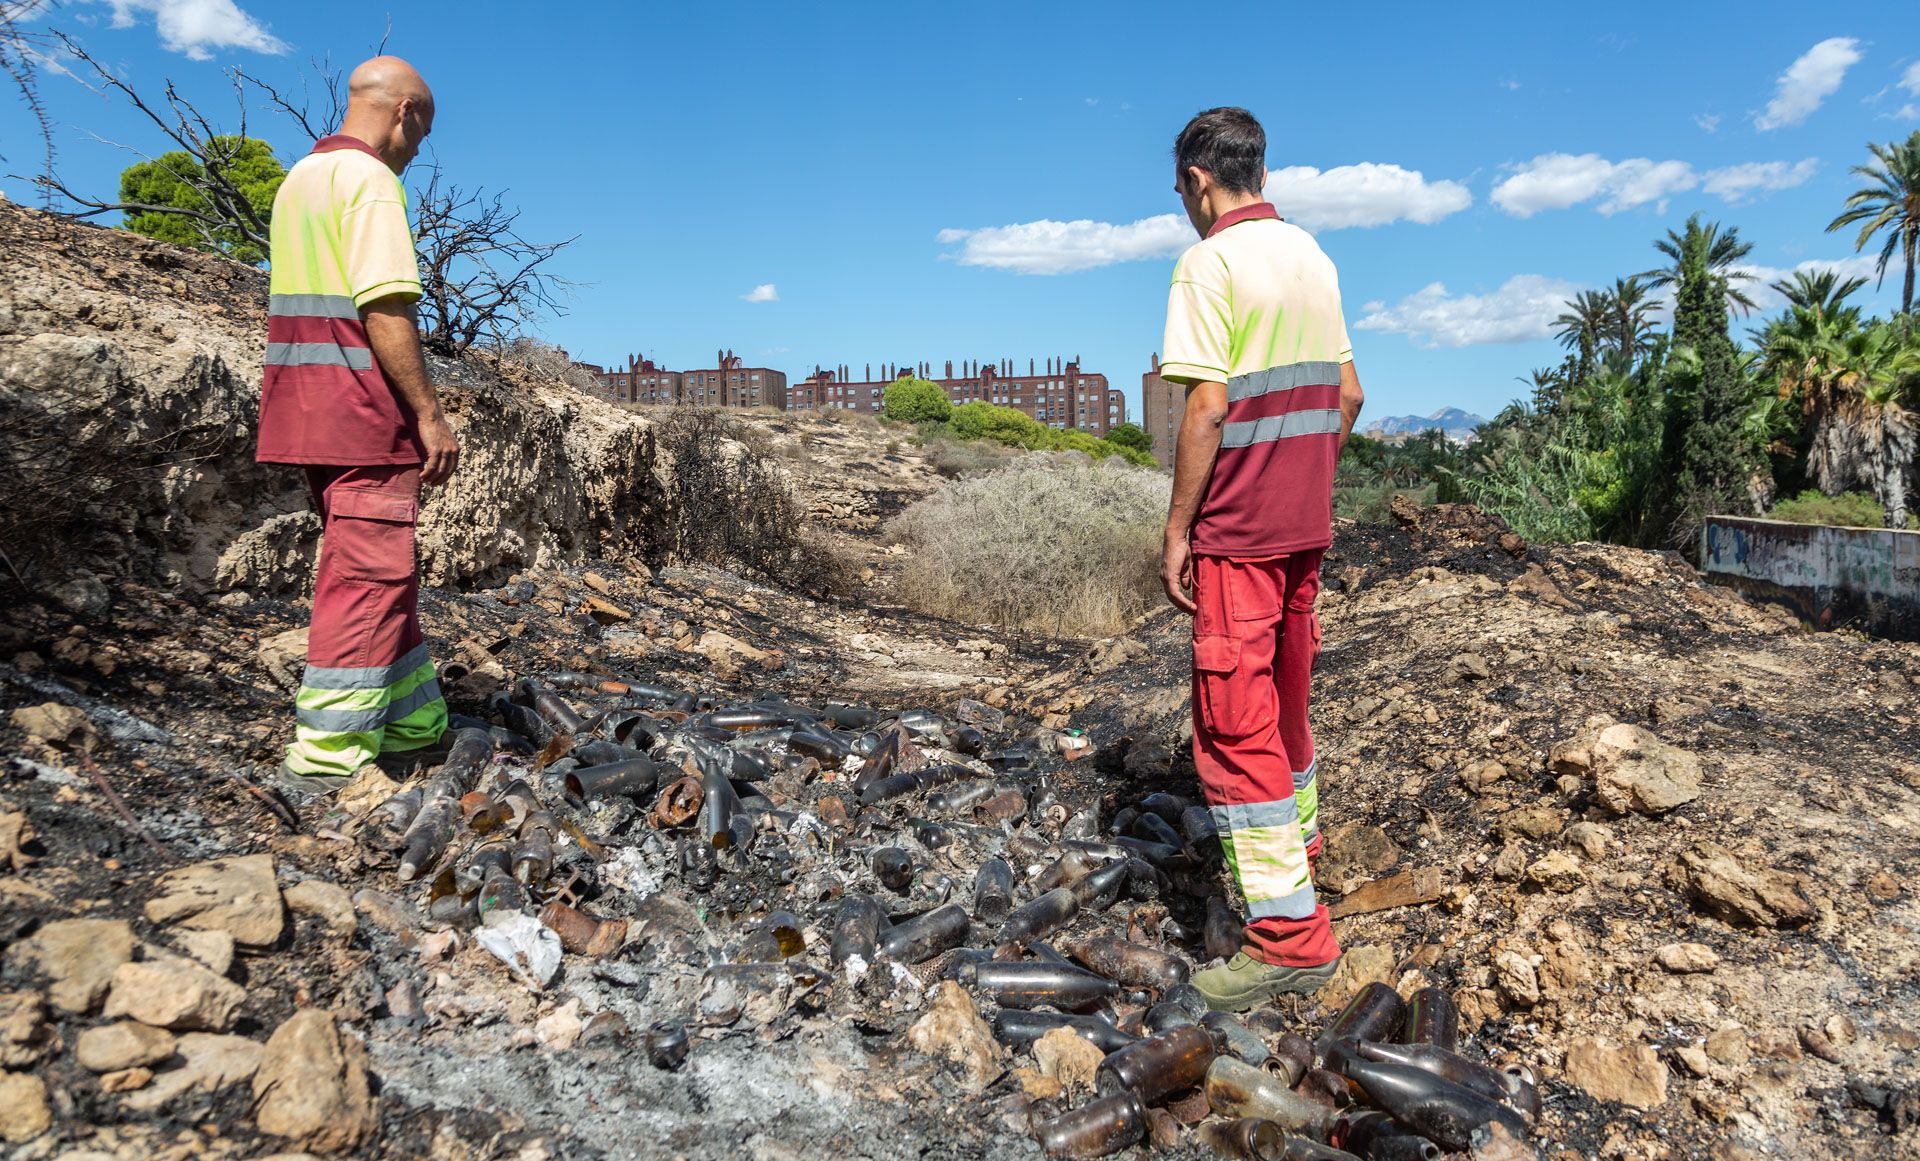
(1055, 545)
(1850, 509)
(916, 401)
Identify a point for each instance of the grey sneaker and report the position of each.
(1243, 981)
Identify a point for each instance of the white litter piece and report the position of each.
(524, 944)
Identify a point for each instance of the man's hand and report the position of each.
(443, 450)
(1176, 571)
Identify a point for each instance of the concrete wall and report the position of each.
(1866, 578)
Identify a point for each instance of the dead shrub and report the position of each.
(956, 460)
(1055, 544)
(729, 503)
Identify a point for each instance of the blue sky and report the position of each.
(862, 183)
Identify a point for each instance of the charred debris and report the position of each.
(838, 854)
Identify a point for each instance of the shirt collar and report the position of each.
(1250, 213)
(342, 141)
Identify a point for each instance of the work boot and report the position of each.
(1244, 981)
(300, 789)
(400, 763)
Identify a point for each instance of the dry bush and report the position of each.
(1055, 544)
(729, 503)
(549, 361)
(957, 460)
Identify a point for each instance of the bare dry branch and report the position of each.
(480, 280)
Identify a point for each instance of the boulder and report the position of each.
(1628, 1073)
(312, 1086)
(327, 902)
(209, 1064)
(128, 1044)
(235, 895)
(24, 1114)
(1737, 890)
(78, 956)
(952, 1030)
(1687, 958)
(1633, 770)
(24, 1034)
(177, 994)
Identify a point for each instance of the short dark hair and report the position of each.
(1226, 142)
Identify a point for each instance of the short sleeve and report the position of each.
(1199, 341)
(377, 244)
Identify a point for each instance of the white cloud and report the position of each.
(1910, 81)
(1760, 289)
(1554, 181)
(1708, 122)
(765, 292)
(1809, 81)
(1736, 183)
(1522, 310)
(195, 27)
(1367, 194)
(1050, 247)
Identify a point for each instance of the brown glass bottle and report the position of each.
(1245, 1139)
(926, 936)
(1238, 1089)
(1095, 1129)
(1018, 1029)
(1443, 1112)
(1033, 984)
(1376, 1136)
(1232, 1038)
(892, 866)
(1293, 1056)
(1224, 932)
(1103, 887)
(1509, 1088)
(1133, 964)
(856, 929)
(1374, 1013)
(1158, 1067)
(1432, 1019)
(993, 891)
(1040, 916)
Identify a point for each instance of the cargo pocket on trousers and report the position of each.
(373, 535)
(1225, 709)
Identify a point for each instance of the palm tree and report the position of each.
(1580, 328)
(1890, 204)
(1820, 291)
(1722, 253)
(1631, 306)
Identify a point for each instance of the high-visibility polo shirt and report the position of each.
(1256, 305)
(340, 240)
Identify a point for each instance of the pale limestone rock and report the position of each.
(235, 895)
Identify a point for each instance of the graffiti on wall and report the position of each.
(1868, 578)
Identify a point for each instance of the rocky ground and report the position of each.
(1657, 839)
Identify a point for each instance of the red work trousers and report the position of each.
(1255, 638)
(369, 685)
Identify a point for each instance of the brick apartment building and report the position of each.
(1061, 396)
(1162, 406)
(730, 383)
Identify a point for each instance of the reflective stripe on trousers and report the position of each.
(370, 685)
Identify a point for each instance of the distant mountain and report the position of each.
(1458, 425)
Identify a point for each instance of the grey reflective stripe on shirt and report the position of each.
(369, 677)
(319, 355)
(313, 306)
(368, 720)
(1249, 432)
(1317, 373)
(1250, 815)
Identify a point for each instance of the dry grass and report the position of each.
(1055, 544)
(956, 460)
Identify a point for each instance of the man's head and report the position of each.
(390, 108)
(1219, 162)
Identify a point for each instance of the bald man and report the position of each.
(347, 399)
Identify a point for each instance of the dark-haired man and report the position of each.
(1254, 330)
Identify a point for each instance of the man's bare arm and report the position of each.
(1351, 400)
(1197, 445)
(395, 339)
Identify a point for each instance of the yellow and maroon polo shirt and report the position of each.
(340, 240)
(1256, 305)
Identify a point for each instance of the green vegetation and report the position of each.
(916, 401)
(178, 181)
(1131, 435)
(1639, 434)
(1054, 545)
(1009, 427)
(1853, 509)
